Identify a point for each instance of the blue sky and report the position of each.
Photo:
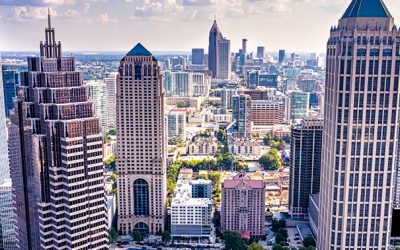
(173, 25)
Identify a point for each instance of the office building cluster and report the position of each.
(187, 148)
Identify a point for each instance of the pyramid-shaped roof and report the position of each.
(139, 50)
(366, 8)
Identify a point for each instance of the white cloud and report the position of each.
(106, 19)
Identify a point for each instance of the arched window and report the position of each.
(141, 197)
(142, 228)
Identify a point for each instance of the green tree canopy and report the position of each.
(233, 241)
(309, 241)
(271, 160)
(166, 236)
(255, 246)
(281, 236)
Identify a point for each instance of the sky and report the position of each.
(172, 25)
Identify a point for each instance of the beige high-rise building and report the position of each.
(141, 150)
(361, 126)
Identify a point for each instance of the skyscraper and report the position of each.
(224, 60)
(7, 217)
(214, 37)
(260, 52)
(282, 56)
(305, 164)
(243, 206)
(244, 47)
(97, 93)
(141, 161)
(56, 156)
(360, 129)
(241, 105)
(111, 96)
(198, 56)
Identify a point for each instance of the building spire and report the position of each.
(49, 18)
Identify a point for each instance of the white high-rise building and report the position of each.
(98, 93)
(141, 146)
(224, 60)
(361, 125)
(190, 216)
(111, 96)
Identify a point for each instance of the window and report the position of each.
(141, 197)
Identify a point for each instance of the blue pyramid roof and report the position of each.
(366, 8)
(139, 50)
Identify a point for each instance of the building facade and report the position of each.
(241, 106)
(299, 105)
(267, 113)
(141, 157)
(243, 206)
(56, 156)
(361, 128)
(203, 146)
(10, 84)
(8, 240)
(305, 164)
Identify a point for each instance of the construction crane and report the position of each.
(232, 128)
(281, 169)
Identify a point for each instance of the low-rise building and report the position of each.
(246, 147)
(190, 217)
(203, 146)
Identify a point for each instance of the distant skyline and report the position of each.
(173, 25)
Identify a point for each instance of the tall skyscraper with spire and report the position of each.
(361, 127)
(214, 39)
(141, 147)
(56, 156)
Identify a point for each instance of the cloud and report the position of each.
(25, 3)
(163, 10)
(23, 13)
(197, 2)
(105, 19)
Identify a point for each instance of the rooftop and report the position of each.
(366, 8)
(243, 180)
(139, 50)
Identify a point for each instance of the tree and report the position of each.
(202, 176)
(112, 234)
(255, 246)
(233, 241)
(267, 139)
(277, 247)
(166, 236)
(271, 160)
(287, 138)
(278, 224)
(309, 241)
(137, 236)
(281, 236)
